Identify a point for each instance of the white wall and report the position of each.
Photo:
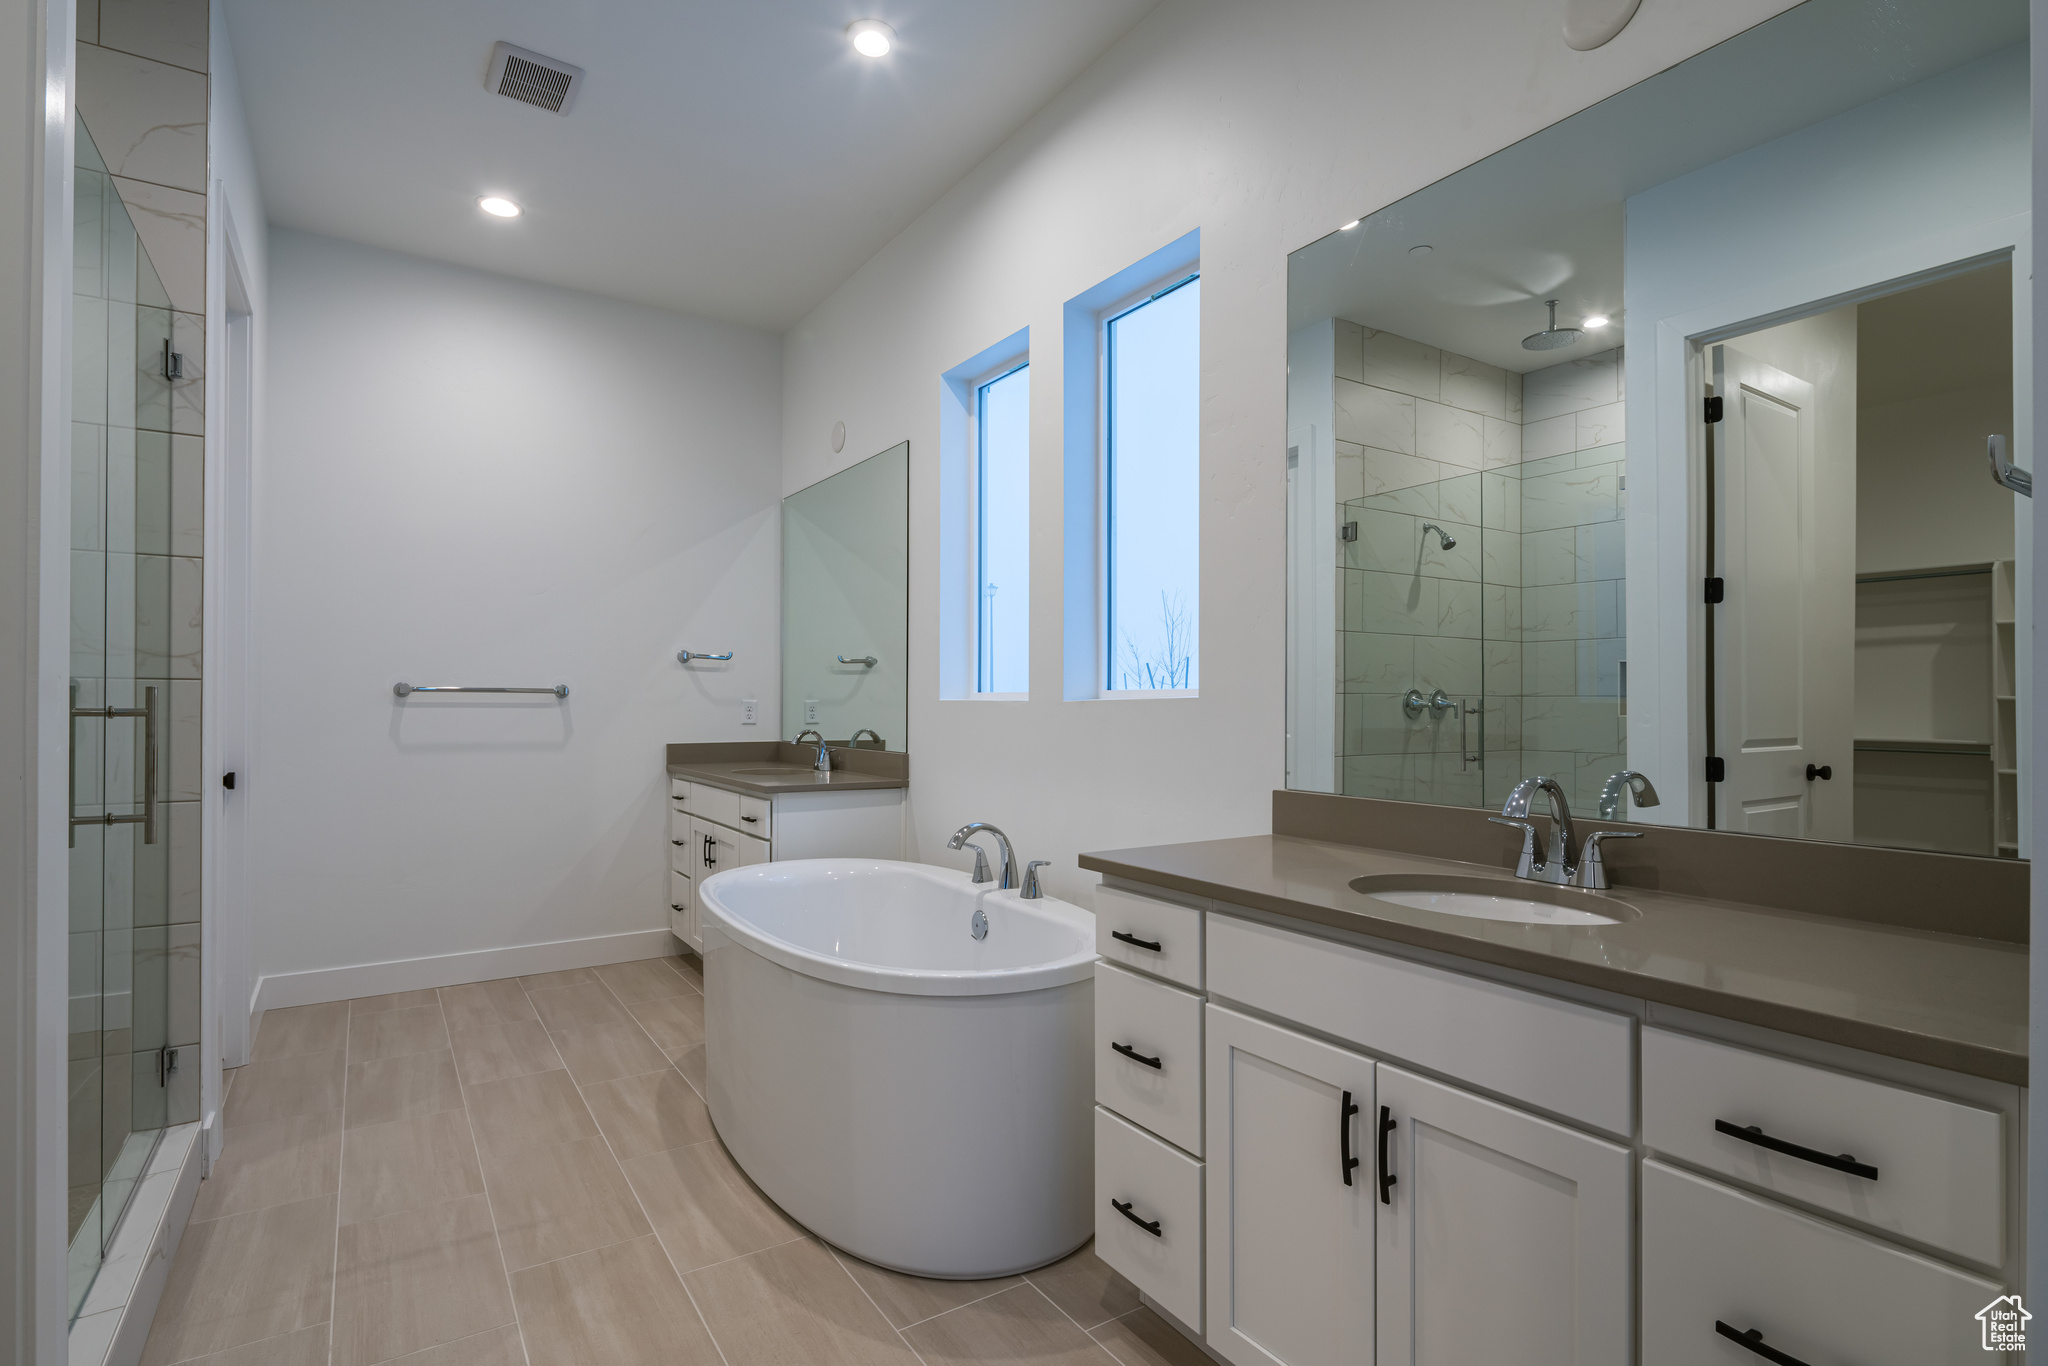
(473, 480)
(1263, 126)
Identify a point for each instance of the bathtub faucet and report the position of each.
(981, 874)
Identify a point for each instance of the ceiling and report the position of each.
(736, 161)
(1544, 218)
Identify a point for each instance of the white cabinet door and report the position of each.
(1290, 1249)
(713, 848)
(1502, 1237)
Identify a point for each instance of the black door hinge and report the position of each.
(1717, 769)
(1717, 589)
(166, 1063)
(1714, 407)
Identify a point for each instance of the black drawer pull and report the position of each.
(1754, 1341)
(672, 906)
(1345, 1160)
(1134, 941)
(1123, 1207)
(675, 841)
(1133, 1054)
(1845, 1162)
(1386, 1172)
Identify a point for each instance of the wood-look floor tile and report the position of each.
(272, 1162)
(704, 1207)
(1142, 1338)
(587, 1005)
(913, 1299)
(1086, 1288)
(294, 1030)
(642, 979)
(690, 1062)
(793, 1303)
(282, 1088)
(498, 1347)
(404, 1087)
(307, 1347)
(478, 1004)
(415, 1280)
(690, 966)
(559, 1200)
(397, 1000)
(674, 1022)
(620, 1306)
(504, 1050)
(1018, 1327)
(243, 1278)
(408, 1164)
(538, 1110)
(395, 1032)
(607, 1051)
(648, 1113)
(567, 977)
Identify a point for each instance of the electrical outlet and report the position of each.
(810, 711)
(750, 711)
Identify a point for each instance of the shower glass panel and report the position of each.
(122, 1076)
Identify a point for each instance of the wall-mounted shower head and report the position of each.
(1552, 337)
(1443, 538)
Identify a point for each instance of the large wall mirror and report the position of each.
(845, 604)
(1665, 440)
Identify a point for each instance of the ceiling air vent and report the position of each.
(530, 78)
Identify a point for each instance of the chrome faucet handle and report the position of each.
(981, 872)
(1526, 865)
(1591, 873)
(1032, 891)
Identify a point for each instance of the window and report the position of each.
(1152, 485)
(1002, 524)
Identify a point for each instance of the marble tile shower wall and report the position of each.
(1424, 436)
(1521, 622)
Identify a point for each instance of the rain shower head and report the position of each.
(1552, 337)
(1443, 538)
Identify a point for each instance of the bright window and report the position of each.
(1152, 557)
(1002, 525)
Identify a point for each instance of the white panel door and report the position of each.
(1784, 665)
(1502, 1237)
(713, 849)
(1290, 1249)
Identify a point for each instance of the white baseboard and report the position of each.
(279, 990)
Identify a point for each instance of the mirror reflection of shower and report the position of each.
(1444, 539)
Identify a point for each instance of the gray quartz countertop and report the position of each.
(1947, 1000)
(757, 778)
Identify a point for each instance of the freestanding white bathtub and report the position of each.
(907, 1092)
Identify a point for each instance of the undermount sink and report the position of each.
(1521, 903)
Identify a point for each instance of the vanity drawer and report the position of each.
(754, 812)
(1940, 1164)
(1558, 1055)
(682, 911)
(1163, 1188)
(678, 790)
(679, 838)
(1157, 1024)
(717, 805)
(1818, 1293)
(1163, 938)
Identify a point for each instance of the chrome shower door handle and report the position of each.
(149, 765)
(2006, 474)
(147, 820)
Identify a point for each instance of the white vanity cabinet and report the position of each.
(712, 828)
(1403, 1164)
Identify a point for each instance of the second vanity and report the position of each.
(1331, 1128)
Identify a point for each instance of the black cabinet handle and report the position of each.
(1345, 1160)
(1753, 1340)
(675, 841)
(1123, 1207)
(1133, 1054)
(1843, 1162)
(672, 906)
(1386, 1173)
(710, 851)
(1820, 771)
(1134, 941)
(751, 820)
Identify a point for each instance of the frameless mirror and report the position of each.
(1664, 441)
(845, 604)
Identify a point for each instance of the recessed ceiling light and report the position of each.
(871, 37)
(1421, 249)
(1349, 226)
(497, 206)
(1598, 320)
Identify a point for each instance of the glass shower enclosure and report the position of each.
(124, 1077)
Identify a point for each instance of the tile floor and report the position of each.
(523, 1173)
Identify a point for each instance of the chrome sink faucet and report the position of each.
(1558, 866)
(981, 873)
(1626, 783)
(824, 762)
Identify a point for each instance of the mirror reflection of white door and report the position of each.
(1784, 661)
